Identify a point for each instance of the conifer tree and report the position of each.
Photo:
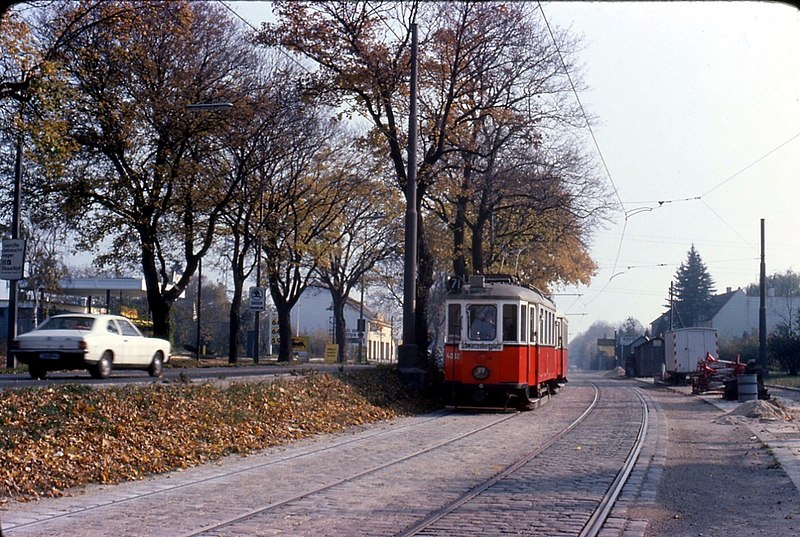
(693, 290)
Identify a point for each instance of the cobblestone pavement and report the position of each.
(383, 502)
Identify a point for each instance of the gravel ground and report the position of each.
(719, 480)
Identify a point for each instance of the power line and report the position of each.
(759, 159)
(580, 105)
(280, 49)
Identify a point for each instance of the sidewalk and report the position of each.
(781, 436)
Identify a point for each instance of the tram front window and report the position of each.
(482, 322)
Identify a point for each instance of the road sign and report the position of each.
(12, 259)
(258, 298)
(300, 344)
(331, 352)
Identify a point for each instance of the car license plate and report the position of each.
(49, 356)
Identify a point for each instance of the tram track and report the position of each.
(600, 515)
(595, 522)
(384, 465)
(591, 529)
(348, 479)
(339, 443)
(475, 491)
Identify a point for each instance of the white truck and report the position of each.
(684, 348)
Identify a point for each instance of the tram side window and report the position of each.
(533, 325)
(559, 343)
(523, 334)
(482, 322)
(547, 329)
(510, 322)
(454, 323)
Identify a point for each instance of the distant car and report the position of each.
(98, 343)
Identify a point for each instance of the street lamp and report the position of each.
(203, 107)
(206, 107)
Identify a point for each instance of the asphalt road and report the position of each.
(18, 380)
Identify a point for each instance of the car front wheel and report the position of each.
(102, 369)
(157, 365)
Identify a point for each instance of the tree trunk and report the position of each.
(285, 332)
(425, 266)
(459, 239)
(478, 266)
(340, 325)
(159, 304)
(235, 319)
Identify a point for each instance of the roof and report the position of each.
(135, 287)
(718, 302)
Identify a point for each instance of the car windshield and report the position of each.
(67, 323)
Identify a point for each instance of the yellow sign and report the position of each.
(331, 352)
(300, 344)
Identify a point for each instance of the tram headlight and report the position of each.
(480, 372)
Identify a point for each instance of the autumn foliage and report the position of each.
(58, 437)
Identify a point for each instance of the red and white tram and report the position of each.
(505, 345)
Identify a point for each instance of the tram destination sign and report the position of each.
(12, 259)
(480, 346)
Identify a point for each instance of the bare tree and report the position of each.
(300, 212)
(368, 233)
(259, 153)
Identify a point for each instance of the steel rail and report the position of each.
(600, 515)
(258, 511)
(510, 469)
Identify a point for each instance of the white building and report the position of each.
(314, 313)
(735, 314)
(738, 313)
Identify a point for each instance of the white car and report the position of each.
(98, 343)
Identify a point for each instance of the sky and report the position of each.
(697, 129)
(698, 107)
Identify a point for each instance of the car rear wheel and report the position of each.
(102, 369)
(157, 365)
(37, 372)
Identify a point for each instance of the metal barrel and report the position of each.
(748, 387)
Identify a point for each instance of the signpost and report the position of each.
(12, 259)
(258, 298)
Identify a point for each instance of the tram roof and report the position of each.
(504, 289)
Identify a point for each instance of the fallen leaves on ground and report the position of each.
(58, 437)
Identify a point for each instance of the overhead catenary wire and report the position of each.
(248, 23)
(580, 105)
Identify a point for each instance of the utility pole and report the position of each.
(671, 305)
(762, 310)
(203, 107)
(257, 313)
(361, 323)
(409, 353)
(199, 304)
(11, 333)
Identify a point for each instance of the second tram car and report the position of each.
(505, 344)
